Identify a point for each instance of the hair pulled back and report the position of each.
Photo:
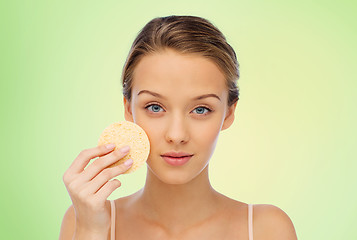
(184, 34)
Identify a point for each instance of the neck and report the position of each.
(178, 206)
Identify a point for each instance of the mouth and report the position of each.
(176, 159)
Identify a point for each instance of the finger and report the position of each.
(101, 163)
(107, 189)
(86, 155)
(104, 176)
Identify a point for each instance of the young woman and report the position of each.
(179, 85)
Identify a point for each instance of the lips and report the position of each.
(176, 158)
(176, 154)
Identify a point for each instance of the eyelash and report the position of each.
(156, 104)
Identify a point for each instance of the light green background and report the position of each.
(293, 143)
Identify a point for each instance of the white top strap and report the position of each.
(112, 214)
(250, 221)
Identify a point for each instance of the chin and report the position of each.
(174, 176)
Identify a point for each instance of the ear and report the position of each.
(229, 117)
(128, 115)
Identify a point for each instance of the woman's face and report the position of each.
(181, 103)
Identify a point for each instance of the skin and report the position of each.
(178, 202)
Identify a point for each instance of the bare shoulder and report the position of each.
(271, 222)
(68, 224)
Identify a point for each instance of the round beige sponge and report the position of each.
(127, 133)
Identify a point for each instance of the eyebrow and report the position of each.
(196, 98)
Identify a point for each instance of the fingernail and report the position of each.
(125, 149)
(110, 146)
(128, 162)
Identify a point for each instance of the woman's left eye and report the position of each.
(202, 110)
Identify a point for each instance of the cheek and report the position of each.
(153, 131)
(206, 134)
(153, 128)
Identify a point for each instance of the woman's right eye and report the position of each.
(154, 108)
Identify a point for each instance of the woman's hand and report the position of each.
(89, 188)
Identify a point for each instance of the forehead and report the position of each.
(172, 72)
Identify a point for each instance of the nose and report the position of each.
(176, 131)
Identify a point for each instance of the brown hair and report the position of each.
(185, 34)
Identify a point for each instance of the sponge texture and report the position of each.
(127, 133)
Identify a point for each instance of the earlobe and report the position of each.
(128, 115)
(229, 117)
